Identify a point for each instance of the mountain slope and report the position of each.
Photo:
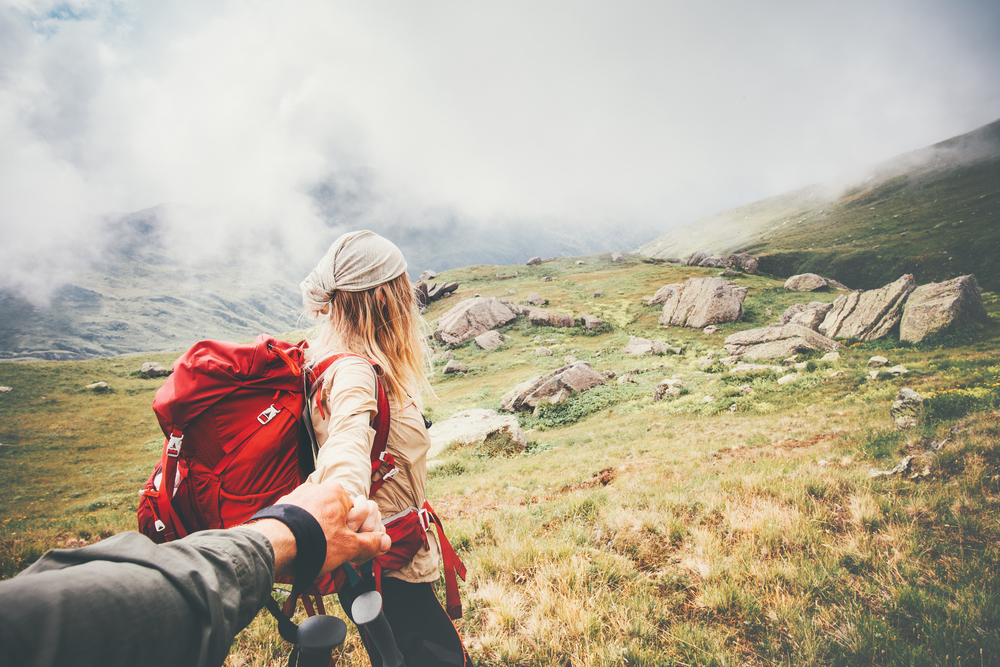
(934, 212)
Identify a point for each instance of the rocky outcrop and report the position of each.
(937, 307)
(777, 342)
(153, 369)
(555, 387)
(642, 346)
(664, 294)
(704, 259)
(703, 301)
(805, 282)
(809, 315)
(472, 427)
(490, 340)
(868, 315)
(471, 317)
(742, 261)
(548, 318)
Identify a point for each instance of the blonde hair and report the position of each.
(381, 324)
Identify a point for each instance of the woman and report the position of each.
(363, 301)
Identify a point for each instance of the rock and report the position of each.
(597, 294)
(708, 399)
(710, 329)
(455, 367)
(536, 299)
(643, 346)
(570, 359)
(704, 301)
(730, 361)
(628, 377)
(471, 317)
(590, 322)
(546, 279)
(808, 315)
(836, 374)
(790, 360)
(506, 276)
(776, 342)
(897, 370)
(830, 356)
(548, 318)
(670, 387)
(534, 261)
(903, 467)
(873, 375)
(869, 315)
(555, 387)
(704, 259)
(905, 410)
(579, 262)
(443, 356)
(746, 389)
(6, 389)
(785, 379)
(617, 257)
(728, 273)
(752, 368)
(427, 276)
(490, 340)
(543, 351)
(512, 291)
(664, 294)
(420, 294)
(937, 307)
(153, 369)
(742, 261)
(440, 290)
(472, 427)
(802, 365)
(805, 282)
(877, 362)
(98, 387)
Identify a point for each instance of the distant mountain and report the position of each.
(933, 212)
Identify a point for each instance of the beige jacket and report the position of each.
(345, 437)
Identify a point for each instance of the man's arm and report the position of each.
(128, 601)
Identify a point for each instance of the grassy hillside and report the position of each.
(934, 213)
(737, 524)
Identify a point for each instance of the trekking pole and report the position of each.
(367, 612)
(316, 638)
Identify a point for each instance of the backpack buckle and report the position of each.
(160, 527)
(389, 475)
(424, 518)
(267, 415)
(174, 446)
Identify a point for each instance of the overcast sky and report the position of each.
(239, 114)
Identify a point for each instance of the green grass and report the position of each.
(684, 531)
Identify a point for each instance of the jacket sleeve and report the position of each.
(128, 601)
(345, 433)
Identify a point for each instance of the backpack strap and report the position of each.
(452, 565)
(313, 383)
(173, 528)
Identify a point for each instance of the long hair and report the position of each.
(381, 324)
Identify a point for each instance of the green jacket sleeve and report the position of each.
(128, 601)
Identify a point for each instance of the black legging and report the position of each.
(425, 635)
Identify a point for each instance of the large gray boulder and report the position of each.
(664, 294)
(777, 341)
(555, 387)
(868, 315)
(705, 259)
(489, 340)
(541, 317)
(591, 322)
(742, 261)
(805, 282)
(809, 315)
(472, 427)
(536, 299)
(427, 276)
(704, 301)
(153, 369)
(471, 317)
(936, 307)
(640, 347)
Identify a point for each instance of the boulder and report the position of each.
(905, 410)
(427, 276)
(643, 346)
(153, 369)
(591, 322)
(454, 367)
(472, 427)
(809, 315)
(670, 387)
(490, 340)
(543, 351)
(742, 261)
(703, 301)
(506, 276)
(937, 307)
(439, 290)
(534, 261)
(728, 273)
(98, 387)
(755, 368)
(664, 294)
(443, 356)
(710, 329)
(6, 389)
(554, 387)
(536, 299)
(471, 317)
(548, 318)
(805, 282)
(830, 356)
(869, 315)
(778, 341)
(705, 259)
(570, 359)
(546, 279)
(877, 362)
(617, 257)
(420, 294)
(785, 379)
(897, 370)
(580, 262)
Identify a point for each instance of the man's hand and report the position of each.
(340, 519)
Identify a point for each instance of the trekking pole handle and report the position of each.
(317, 637)
(367, 612)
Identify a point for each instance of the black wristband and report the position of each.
(310, 541)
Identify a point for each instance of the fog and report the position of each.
(271, 127)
